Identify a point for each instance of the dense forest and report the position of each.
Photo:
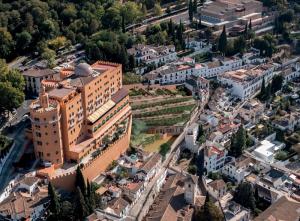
(43, 26)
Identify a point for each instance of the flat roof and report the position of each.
(60, 93)
(38, 72)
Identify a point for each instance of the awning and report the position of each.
(101, 111)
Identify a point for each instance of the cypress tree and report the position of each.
(81, 208)
(179, 33)
(90, 198)
(171, 31)
(123, 24)
(191, 11)
(262, 93)
(207, 198)
(244, 195)
(222, 46)
(80, 182)
(54, 206)
(131, 62)
(246, 31)
(250, 24)
(195, 6)
(240, 140)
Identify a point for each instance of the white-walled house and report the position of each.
(237, 168)
(214, 157)
(145, 55)
(217, 189)
(244, 83)
(149, 168)
(267, 150)
(198, 45)
(34, 77)
(27, 200)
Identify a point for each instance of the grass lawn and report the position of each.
(154, 147)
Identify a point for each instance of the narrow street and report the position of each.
(18, 149)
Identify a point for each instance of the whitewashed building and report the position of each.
(34, 77)
(237, 168)
(267, 150)
(244, 83)
(214, 157)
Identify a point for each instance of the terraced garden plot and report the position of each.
(168, 121)
(162, 102)
(166, 111)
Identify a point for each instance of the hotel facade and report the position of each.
(80, 115)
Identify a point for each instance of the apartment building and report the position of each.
(74, 114)
(244, 83)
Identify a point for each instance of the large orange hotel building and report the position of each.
(81, 117)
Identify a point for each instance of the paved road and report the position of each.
(17, 151)
(21, 111)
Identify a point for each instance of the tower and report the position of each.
(191, 189)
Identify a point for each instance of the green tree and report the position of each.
(179, 34)
(195, 6)
(49, 56)
(240, 44)
(131, 12)
(209, 211)
(54, 206)
(157, 9)
(280, 136)
(238, 142)
(250, 24)
(276, 84)
(81, 208)
(244, 195)
(90, 197)
(281, 155)
(263, 90)
(191, 10)
(6, 43)
(23, 41)
(11, 98)
(66, 212)
(164, 149)
(222, 44)
(245, 33)
(13, 76)
(208, 34)
(112, 18)
(192, 169)
(80, 181)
